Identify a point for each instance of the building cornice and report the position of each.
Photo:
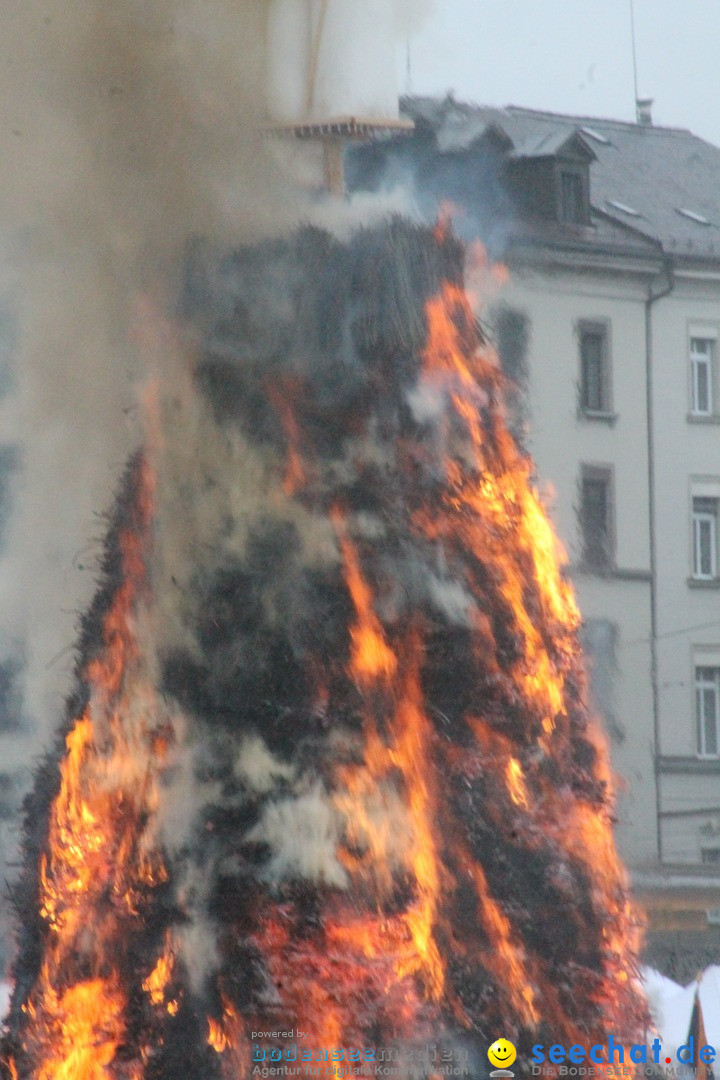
(676, 887)
(700, 273)
(689, 766)
(547, 256)
(541, 253)
(612, 573)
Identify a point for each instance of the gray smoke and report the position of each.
(128, 129)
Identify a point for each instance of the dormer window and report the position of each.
(572, 204)
(549, 177)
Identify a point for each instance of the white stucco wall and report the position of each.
(560, 441)
(688, 615)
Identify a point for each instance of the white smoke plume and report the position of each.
(128, 128)
(410, 15)
(303, 835)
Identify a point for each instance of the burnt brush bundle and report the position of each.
(344, 779)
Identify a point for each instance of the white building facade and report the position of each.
(610, 335)
(686, 448)
(573, 446)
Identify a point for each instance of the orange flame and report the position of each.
(407, 860)
(227, 1037)
(485, 514)
(159, 978)
(295, 475)
(374, 664)
(496, 513)
(97, 863)
(372, 659)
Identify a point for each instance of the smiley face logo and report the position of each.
(502, 1053)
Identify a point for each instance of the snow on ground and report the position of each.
(5, 992)
(710, 1003)
(671, 1006)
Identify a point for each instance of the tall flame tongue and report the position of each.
(100, 871)
(422, 849)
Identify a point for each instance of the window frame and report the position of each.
(580, 209)
(512, 322)
(698, 360)
(593, 473)
(597, 328)
(599, 641)
(703, 516)
(700, 686)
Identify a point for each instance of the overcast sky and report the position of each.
(575, 56)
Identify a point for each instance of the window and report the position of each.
(596, 524)
(599, 638)
(707, 716)
(701, 371)
(8, 344)
(572, 199)
(10, 695)
(8, 467)
(705, 513)
(594, 368)
(512, 334)
(10, 784)
(710, 856)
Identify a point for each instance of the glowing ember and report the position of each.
(329, 784)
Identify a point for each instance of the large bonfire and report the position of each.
(328, 768)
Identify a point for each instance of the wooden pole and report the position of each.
(333, 150)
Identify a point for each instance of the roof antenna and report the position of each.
(643, 106)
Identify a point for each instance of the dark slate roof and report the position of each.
(658, 183)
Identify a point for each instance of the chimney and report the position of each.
(644, 111)
(332, 77)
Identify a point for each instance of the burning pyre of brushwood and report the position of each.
(328, 766)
